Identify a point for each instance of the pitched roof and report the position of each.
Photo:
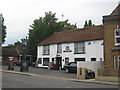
(6, 51)
(116, 11)
(84, 34)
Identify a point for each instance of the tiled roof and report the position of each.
(9, 51)
(116, 11)
(84, 34)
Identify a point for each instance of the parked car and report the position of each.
(71, 67)
(14, 63)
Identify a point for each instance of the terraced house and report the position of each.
(97, 43)
(84, 44)
(111, 25)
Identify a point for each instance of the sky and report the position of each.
(20, 14)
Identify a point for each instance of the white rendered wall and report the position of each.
(94, 50)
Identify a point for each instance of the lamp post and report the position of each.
(24, 62)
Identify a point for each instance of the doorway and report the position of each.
(59, 61)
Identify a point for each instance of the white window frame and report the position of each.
(116, 36)
(46, 50)
(79, 48)
(59, 48)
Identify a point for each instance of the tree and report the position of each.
(88, 24)
(43, 28)
(67, 25)
(17, 43)
(3, 29)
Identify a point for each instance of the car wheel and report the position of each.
(66, 70)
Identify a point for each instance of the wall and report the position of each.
(111, 23)
(94, 65)
(94, 50)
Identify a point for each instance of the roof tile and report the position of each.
(84, 34)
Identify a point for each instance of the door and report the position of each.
(59, 61)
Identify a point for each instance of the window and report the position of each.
(59, 48)
(79, 48)
(117, 37)
(66, 60)
(114, 62)
(93, 59)
(46, 50)
(39, 60)
(79, 59)
(73, 64)
(119, 62)
(45, 61)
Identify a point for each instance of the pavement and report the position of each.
(54, 74)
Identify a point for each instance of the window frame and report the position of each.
(93, 59)
(59, 48)
(46, 50)
(117, 37)
(39, 60)
(79, 48)
(47, 60)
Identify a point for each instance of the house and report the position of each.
(111, 26)
(8, 54)
(85, 44)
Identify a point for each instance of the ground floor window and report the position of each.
(45, 61)
(119, 62)
(79, 59)
(66, 60)
(93, 59)
(39, 60)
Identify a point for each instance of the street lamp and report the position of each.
(24, 62)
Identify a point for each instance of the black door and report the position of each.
(59, 61)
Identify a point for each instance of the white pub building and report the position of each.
(83, 45)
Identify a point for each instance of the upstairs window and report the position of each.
(79, 48)
(117, 37)
(46, 50)
(59, 48)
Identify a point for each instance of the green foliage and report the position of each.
(43, 28)
(10, 46)
(3, 30)
(15, 44)
(88, 24)
(67, 25)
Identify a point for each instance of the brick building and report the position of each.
(111, 25)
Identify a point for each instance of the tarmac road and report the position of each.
(11, 80)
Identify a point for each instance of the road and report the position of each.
(24, 81)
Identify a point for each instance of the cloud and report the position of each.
(19, 14)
